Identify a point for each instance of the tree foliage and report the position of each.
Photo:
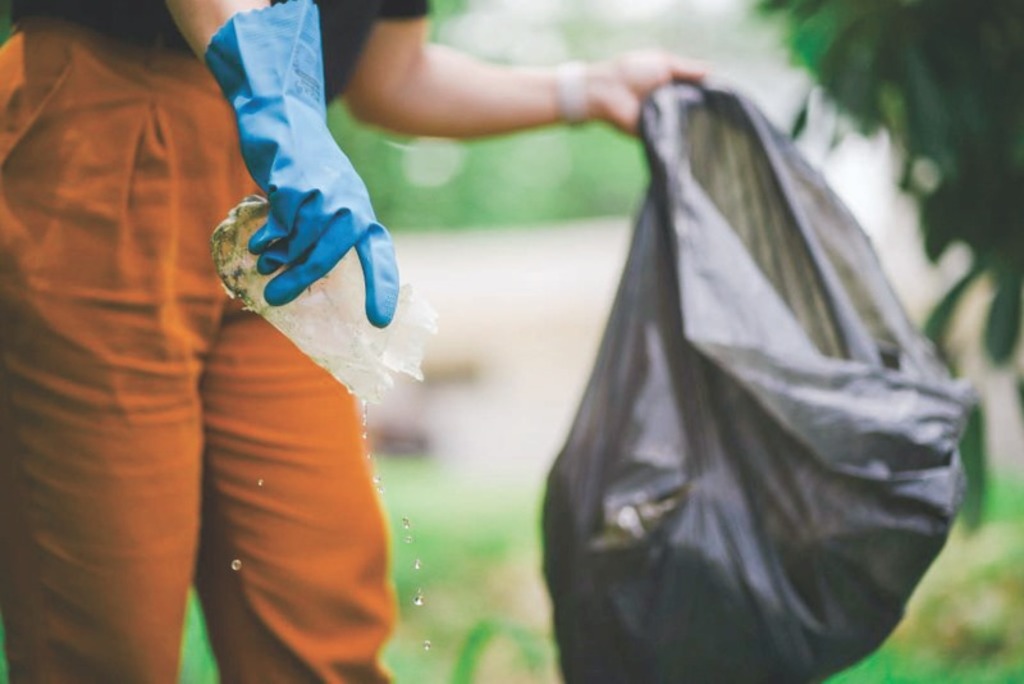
(943, 78)
(5, 19)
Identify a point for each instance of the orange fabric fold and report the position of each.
(151, 433)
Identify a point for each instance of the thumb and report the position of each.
(380, 273)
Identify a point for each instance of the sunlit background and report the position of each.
(518, 242)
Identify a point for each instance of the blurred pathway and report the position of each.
(521, 315)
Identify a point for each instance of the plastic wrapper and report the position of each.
(327, 321)
(764, 462)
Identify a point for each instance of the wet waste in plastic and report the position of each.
(327, 321)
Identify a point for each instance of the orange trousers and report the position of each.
(152, 434)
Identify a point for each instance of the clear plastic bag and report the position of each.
(327, 321)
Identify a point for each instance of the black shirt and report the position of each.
(345, 24)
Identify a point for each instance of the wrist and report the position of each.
(584, 91)
(571, 92)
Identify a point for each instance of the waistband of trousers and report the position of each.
(169, 69)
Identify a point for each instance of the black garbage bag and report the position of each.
(765, 460)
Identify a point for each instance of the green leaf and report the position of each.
(5, 20)
(972, 455)
(941, 315)
(893, 109)
(1003, 326)
(942, 219)
(928, 117)
(800, 120)
(1017, 151)
(814, 37)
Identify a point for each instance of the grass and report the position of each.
(478, 544)
(965, 623)
(485, 611)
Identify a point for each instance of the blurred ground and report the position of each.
(521, 314)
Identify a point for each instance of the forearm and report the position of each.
(448, 94)
(404, 85)
(198, 20)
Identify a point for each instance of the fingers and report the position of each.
(314, 223)
(273, 258)
(380, 273)
(634, 76)
(376, 256)
(687, 70)
(324, 256)
(272, 231)
(307, 260)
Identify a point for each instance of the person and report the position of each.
(153, 434)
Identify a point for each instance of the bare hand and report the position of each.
(616, 88)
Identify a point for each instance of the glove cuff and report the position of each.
(269, 64)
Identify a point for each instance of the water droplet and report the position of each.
(417, 600)
(236, 565)
(426, 645)
(259, 482)
(380, 490)
(376, 479)
(417, 565)
(405, 523)
(408, 539)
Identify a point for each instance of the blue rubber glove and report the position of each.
(269, 65)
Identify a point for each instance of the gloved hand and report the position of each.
(269, 64)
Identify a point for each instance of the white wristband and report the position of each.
(572, 91)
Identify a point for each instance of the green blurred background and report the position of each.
(879, 89)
